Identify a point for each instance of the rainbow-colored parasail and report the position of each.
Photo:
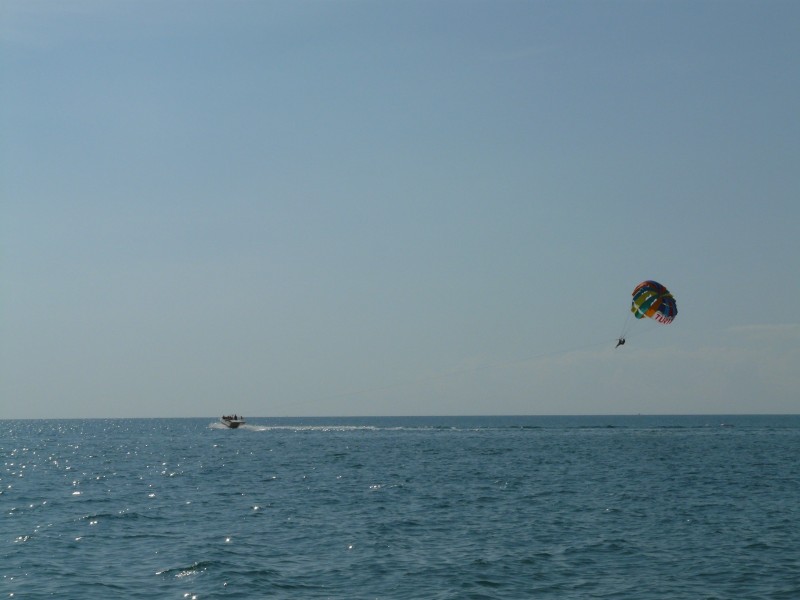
(653, 300)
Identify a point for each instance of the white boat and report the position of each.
(232, 421)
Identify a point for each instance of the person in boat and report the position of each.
(620, 342)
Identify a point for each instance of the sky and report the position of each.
(340, 208)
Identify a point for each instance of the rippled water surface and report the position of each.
(473, 507)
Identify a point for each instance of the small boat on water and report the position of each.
(232, 421)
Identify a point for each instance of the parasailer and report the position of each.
(654, 301)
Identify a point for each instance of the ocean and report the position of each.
(628, 507)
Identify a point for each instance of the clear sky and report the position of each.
(397, 208)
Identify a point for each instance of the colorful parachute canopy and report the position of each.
(653, 300)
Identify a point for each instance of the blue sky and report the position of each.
(397, 208)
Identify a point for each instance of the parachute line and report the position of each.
(625, 326)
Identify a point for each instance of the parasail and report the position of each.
(653, 300)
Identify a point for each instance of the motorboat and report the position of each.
(232, 421)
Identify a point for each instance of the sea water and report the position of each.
(454, 507)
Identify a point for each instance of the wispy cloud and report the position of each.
(784, 331)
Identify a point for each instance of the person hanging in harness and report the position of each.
(620, 342)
